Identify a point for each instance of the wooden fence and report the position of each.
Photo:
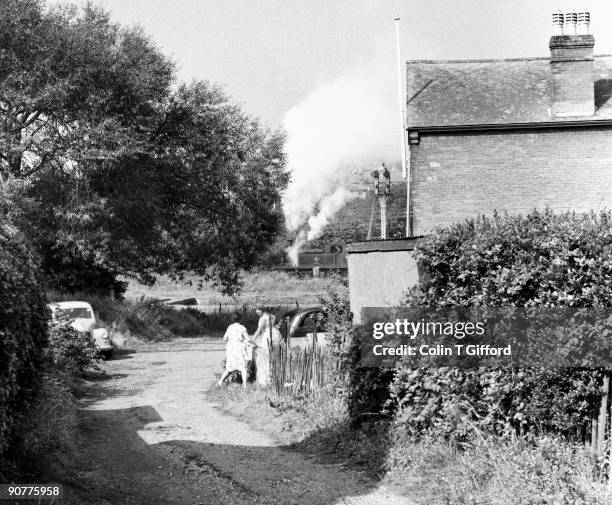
(601, 425)
(298, 371)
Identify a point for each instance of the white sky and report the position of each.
(270, 54)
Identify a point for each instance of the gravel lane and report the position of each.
(150, 435)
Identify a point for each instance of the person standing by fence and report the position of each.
(265, 334)
(236, 337)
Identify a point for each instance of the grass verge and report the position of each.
(48, 433)
(489, 471)
(494, 471)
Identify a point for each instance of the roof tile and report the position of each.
(471, 92)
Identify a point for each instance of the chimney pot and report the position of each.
(571, 19)
(557, 19)
(584, 21)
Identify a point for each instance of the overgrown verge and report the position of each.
(272, 286)
(47, 436)
(496, 471)
(46, 440)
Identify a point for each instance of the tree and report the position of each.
(119, 174)
(74, 87)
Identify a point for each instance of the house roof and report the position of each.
(477, 92)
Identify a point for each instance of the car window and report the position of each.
(71, 314)
(306, 322)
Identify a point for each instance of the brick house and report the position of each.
(511, 134)
(486, 135)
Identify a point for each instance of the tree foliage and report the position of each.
(113, 172)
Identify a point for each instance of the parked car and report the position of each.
(299, 326)
(81, 317)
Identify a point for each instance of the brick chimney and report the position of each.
(571, 60)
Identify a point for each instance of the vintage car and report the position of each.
(81, 317)
(301, 326)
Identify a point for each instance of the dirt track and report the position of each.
(149, 435)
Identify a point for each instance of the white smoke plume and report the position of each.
(352, 121)
(328, 207)
(292, 251)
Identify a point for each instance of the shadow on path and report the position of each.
(115, 466)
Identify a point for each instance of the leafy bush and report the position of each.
(338, 326)
(541, 259)
(74, 272)
(365, 389)
(452, 402)
(23, 332)
(70, 350)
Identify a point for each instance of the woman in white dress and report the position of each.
(236, 337)
(265, 334)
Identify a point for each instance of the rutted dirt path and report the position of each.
(149, 435)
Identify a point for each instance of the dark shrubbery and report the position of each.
(365, 389)
(542, 259)
(23, 332)
(457, 403)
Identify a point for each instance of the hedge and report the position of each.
(542, 259)
(23, 332)
(538, 260)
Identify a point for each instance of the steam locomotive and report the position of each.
(331, 258)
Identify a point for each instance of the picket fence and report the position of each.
(298, 371)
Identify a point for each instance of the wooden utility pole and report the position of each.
(383, 216)
(371, 222)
